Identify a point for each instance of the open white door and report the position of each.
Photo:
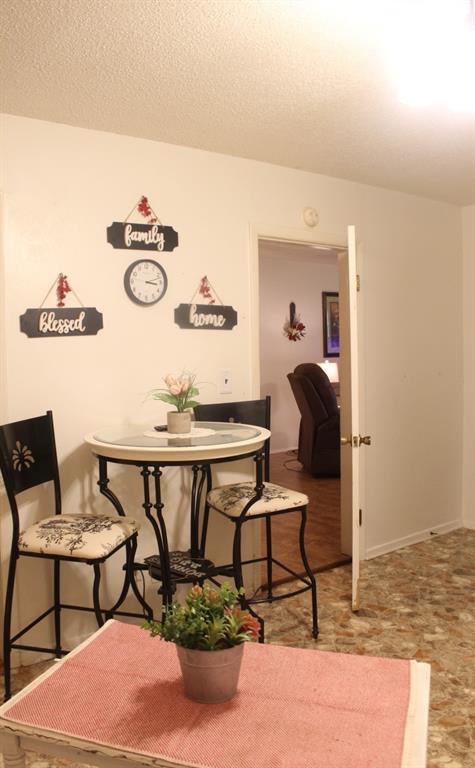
(349, 399)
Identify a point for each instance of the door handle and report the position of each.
(356, 441)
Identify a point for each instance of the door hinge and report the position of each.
(360, 517)
(358, 283)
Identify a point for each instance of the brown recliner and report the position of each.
(319, 433)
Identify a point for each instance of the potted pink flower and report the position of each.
(181, 392)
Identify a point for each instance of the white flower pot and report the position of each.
(179, 423)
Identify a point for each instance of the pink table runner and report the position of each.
(294, 709)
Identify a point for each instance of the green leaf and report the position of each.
(166, 398)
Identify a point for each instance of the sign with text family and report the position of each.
(43, 322)
(213, 316)
(149, 236)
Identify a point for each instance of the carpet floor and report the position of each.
(416, 603)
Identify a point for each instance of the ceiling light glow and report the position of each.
(431, 53)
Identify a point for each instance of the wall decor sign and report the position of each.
(151, 236)
(331, 324)
(214, 315)
(294, 329)
(45, 322)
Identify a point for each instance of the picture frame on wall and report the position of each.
(331, 324)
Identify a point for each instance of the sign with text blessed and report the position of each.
(214, 317)
(61, 321)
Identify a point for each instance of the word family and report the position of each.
(151, 236)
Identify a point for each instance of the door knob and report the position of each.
(365, 440)
(346, 440)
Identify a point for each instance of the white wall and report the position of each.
(299, 277)
(468, 223)
(63, 186)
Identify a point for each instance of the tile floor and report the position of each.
(415, 603)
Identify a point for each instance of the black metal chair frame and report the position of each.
(13, 489)
(170, 567)
(224, 412)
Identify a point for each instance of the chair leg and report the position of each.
(131, 550)
(269, 557)
(57, 606)
(239, 581)
(7, 623)
(95, 594)
(309, 572)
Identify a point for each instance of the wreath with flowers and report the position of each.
(294, 329)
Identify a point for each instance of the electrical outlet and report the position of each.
(225, 382)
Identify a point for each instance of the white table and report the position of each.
(73, 692)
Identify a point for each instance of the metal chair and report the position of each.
(241, 502)
(28, 459)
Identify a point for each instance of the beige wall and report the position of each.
(468, 223)
(63, 186)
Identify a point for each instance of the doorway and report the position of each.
(292, 278)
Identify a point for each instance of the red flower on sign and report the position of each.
(143, 207)
(62, 289)
(205, 290)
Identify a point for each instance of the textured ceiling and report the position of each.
(282, 81)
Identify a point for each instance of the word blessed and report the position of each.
(48, 322)
(42, 323)
(206, 317)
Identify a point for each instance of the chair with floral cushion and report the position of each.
(27, 460)
(259, 500)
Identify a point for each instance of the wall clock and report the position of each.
(145, 282)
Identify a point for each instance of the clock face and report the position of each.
(145, 282)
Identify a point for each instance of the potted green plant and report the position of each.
(209, 631)
(180, 392)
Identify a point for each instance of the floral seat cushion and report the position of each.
(231, 499)
(87, 537)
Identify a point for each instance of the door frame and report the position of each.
(302, 236)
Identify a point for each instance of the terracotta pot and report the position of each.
(179, 423)
(210, 677)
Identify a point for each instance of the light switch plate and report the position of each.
(225, 382)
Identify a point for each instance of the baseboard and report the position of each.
(414, 538)
(291, 448)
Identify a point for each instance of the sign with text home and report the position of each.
(213, 316)
(149, 236)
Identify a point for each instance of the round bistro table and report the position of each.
(149, 450)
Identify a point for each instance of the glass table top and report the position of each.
(202, 433)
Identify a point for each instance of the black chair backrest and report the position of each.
(318, 385)
(255, 412)
(28, 456)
